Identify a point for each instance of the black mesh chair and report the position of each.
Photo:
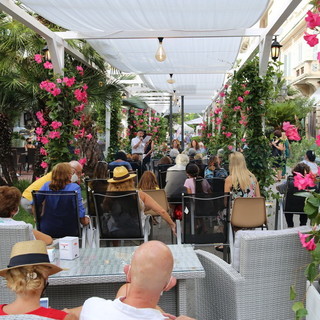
(205, 219)
(216, 184)
(57, 213)
(97, 186)
(119, 217)
(161, 173)
(291, 204)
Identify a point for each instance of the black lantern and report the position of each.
(46, 52)
(275, 49)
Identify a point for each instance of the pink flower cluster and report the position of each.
(50, 87)
(313, 22)
(302, 182)
(291, 131)
(41, 119)
(309, 245)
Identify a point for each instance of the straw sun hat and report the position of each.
(121, 174)
(30, 253)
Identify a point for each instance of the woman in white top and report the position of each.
(310, 158)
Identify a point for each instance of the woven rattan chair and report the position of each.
(256, 285)
(9, 235)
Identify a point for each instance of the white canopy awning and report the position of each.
(195, 121)
(201, 38)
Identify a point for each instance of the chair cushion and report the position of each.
(252, 234)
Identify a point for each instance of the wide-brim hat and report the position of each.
(121, 174)
(30, 253)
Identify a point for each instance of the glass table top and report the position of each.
(111, 260)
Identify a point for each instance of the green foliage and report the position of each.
(115, 123)
(22, 184)
(25, 216)
(290, 110)
(298, 150)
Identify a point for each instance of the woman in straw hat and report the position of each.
(123, 181)
(27, 275)
(9, 207)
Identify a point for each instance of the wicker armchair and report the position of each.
(256, 285)
(9, 235)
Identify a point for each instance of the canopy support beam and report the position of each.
(182, 122)
(55, 43)
(170, 122)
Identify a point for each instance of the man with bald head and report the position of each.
(148, 275)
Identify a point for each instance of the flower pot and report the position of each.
(313, 301)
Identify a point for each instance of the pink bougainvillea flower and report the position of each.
(38, 58)
(56, 91)
(85, 87)
(217, 110)
(311, 39)
(77, 151)
(240, 99)
(59, 80)
(69, 81)
(81, 95)
(236, 108)
(79, 108)
(243, 85)
(48, 65)
(44, 164)
(226, 86)
(56, 124)
(313, 20)
(230, 147)
(218, 121)
(243, 140)
(81, 133)
(89, 136)
(209, 135)
(292, 134)
(318, 140)
(39, 131)
(76, 122)
(246, 92)
(82, 161)
(80, 70)
(302, 182)
(286, 125)
(228, 134)
(43, 151)
(44, 140)
(309, 245)
(54, 134)
(223, 127)
(222, 94)
(131, 111)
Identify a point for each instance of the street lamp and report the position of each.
(275, 49)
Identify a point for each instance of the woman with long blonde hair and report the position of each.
(241, 182)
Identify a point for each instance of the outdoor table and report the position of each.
(99, 272)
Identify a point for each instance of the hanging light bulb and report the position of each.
(171, 81)
(160, 54)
